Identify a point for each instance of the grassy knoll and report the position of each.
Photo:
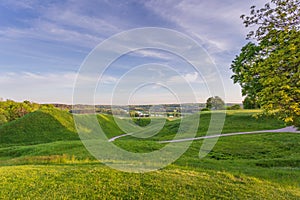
(42, 157)
(47, 125)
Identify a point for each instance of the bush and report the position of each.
(234, 107)
(205, 109)
(2, 119)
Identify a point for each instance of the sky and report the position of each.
(44, 46)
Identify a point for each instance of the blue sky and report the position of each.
(43, 44)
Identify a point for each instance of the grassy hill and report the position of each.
(41, 156)
(48, 125)
(42, 126)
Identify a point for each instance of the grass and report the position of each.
(235, 121)
(47, 125)
(270, 156)
(94, 182)
(41, 157)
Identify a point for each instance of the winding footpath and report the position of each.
(289, 129)
(119, 136)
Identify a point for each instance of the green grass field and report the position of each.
(42, 157)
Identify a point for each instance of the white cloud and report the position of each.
(152, 54)
(29, 79)
(25, 4)
(47, 31)
(106, 79)
(72, 18)
(191, 77)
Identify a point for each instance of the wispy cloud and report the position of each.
(215, 23)
(152, 54)
(192, 78)
(61, 22)
(44, 87)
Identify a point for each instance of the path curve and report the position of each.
(116, 137)
(289, 129)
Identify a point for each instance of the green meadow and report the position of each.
(42, 157)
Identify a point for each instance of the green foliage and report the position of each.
(142, 121)
(280, 15)
(11, 110)
(268, 71)
(3, 119)
(234, 107)
(280, 77)
(133, 113)
(205, 109)
(250, 103)
(215, 103)
(243, 68)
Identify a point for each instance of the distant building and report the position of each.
(141, 114)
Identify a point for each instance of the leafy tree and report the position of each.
(250, 103)
(245, 73)
(268, 70)
(11, 110)
(215, 103)
(3, 118)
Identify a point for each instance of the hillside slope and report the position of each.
(42, 126)
(49, 125)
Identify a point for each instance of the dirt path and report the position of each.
(289, 129)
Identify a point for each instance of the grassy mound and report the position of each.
(42, 126)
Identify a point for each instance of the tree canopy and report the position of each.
(215, 103)
(268, 68)
(11, 110)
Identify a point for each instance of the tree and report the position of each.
(10, 110)
(244, 69)
(215, 103)
(268, 70)
(3, 118)
(249, 103)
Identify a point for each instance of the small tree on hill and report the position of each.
(215, 103)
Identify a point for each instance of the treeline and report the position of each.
(11, 110)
